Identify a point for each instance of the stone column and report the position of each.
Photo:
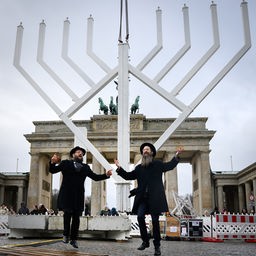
(20, 197)
(220, 197)
(254, 189)
(213, 192)
(205, 183)
(197, 183)
(34, 186)
(45, 187)
(241, 197)
(247, 195)
(171, 182)
(137, 158)
(1, 194)
(195, 188)
(103, 184)
(96, 190)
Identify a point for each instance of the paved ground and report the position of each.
(129, 248)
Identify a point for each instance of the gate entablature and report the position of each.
(55, 136)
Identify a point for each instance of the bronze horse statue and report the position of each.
(135, 106)
(103, 107)
(113, 108)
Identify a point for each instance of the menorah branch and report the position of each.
(64, 54)
(163, 72)
(205, 57)
(90, 52)
(92, 92)
(158, 89)
(159, 44)
(46, 67)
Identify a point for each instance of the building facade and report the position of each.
(235, 191)
(13, 189)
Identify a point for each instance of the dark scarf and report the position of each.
(78, 165)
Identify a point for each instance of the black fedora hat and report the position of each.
(73, 150)
(152, 147)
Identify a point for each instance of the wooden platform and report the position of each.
(37, 251)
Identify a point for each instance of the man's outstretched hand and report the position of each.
(117, 163)
(109, 173)
(56, 159)
(179, 151)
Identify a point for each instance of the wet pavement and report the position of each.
(129, 247)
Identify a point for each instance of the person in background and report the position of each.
(113, 212)
(3, 209)
(23, 209)
(35, 210)
(86, 210)
(11, 210)
(215, 211)
(105, 211)
(244, 211)
(42, 209)
(252, 212)
(224, 211)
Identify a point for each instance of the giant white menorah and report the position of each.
(122, 71)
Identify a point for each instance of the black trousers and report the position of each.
(71, 230)
(142, 209)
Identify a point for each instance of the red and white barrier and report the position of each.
(230, 226)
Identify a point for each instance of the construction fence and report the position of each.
(209, 228)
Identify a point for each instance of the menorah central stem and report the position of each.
(123, 125)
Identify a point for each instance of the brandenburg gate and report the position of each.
(55, 136)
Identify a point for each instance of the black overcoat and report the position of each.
(150, 179)
(71, 195)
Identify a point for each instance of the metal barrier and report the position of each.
(209, 226)
(215, 228)
(135, 230)
(4, 228)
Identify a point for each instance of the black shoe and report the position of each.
(143, 246)
(74, 243)
(65, 239)
(157, 251)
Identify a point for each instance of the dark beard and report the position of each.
(146, 160)
(78, 160)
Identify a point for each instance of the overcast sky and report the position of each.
(230, 107)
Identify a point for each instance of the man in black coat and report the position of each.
(71, 195)
(150, 194)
